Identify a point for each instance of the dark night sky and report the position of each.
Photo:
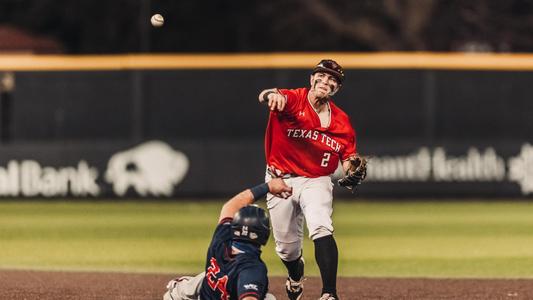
(119, 26)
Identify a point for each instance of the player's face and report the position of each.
(324, 84)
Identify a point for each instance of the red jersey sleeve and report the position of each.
(292, 100)
(350, 148)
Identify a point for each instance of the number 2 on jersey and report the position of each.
(325, 159)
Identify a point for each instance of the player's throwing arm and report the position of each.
(274, 99)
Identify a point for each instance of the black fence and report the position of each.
(431, 133)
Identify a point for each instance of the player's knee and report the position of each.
(286, 256)
(320, 231)
(289, 251)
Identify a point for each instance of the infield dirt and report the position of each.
(86, 285)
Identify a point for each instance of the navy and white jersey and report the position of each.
(232, 277)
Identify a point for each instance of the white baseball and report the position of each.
(157, 20)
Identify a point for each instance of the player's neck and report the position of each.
(319, 104)
(240, 248)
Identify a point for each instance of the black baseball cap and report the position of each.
(331, 67)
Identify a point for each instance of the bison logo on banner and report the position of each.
(152, 168)
(521, 169)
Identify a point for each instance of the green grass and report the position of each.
(432, 239)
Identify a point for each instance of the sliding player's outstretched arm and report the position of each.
(275, 186)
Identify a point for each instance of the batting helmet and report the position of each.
(331, 67)
(251, 224)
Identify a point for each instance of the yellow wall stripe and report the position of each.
(380, 60)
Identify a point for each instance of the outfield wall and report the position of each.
(214, 168)
(436, 125)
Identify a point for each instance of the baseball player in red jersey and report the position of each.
(306, 137)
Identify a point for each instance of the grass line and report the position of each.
(398, 239)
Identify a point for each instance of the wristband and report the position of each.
(265, 96)
(260, 190)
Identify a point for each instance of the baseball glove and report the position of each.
(355, 174)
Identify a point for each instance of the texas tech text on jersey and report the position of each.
(314, 135)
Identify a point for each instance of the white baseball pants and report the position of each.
(312, 201)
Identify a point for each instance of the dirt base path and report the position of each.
(84, 285)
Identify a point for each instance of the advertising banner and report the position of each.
(157, 168)
(199, 132)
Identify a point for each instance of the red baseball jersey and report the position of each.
(296, 143)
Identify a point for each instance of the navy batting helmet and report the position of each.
(331, 67)
(251, 224)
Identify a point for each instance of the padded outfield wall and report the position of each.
(436, 125)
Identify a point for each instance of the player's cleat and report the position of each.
(269, 296)
(294, 288)
(327, 296)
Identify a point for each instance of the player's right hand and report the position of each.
(279, 188)
(276, 101)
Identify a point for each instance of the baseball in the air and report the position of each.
(157, 20)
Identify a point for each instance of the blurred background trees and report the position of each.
(118, 26)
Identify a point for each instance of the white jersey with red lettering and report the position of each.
(297, 144)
